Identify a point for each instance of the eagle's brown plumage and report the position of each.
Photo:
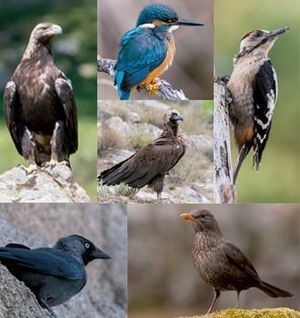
(149, 165)
(39, 104)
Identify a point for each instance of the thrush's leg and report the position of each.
(242, 155)
(29, 149)
(238, 298)
(44, 304)
(216, 296)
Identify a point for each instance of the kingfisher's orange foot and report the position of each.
(152, 88)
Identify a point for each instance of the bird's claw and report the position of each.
(152, 88)
(51, 164)
(31, 169)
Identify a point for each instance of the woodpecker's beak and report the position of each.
(277, 32)
(187, 217)
(99, 254)
(187, 22)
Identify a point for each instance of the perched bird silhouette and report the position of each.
(54, 274)
(39, 105)
(147, 51)
(220, 263)
(253, 88)
(149, 165)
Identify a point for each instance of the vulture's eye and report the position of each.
(87, 245)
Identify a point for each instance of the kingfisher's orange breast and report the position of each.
(163, 66)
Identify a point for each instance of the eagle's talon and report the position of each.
(31, 169)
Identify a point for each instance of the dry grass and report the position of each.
(193, 167)
(138, 140)
(112, 139)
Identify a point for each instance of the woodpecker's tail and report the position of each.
(273, 291)
(242, 155)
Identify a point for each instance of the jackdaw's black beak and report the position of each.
(98, 254)
(277, 32)
(187, 22)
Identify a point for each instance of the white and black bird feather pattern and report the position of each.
(265, 91)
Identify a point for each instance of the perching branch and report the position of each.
(224, 189)
(165, 90)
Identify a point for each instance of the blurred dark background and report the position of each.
(163, 281)
(192, 68)
(278, 177)
(74, 52)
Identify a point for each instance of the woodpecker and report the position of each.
(253, 88)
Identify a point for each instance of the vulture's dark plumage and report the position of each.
(149, 165)
(39, 104)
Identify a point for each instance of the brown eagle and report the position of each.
(149, 165)
(39, 104)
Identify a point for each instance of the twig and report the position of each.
(165, 90)
(224, 189)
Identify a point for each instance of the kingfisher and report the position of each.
(147, 51)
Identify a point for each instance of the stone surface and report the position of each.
(47, 184)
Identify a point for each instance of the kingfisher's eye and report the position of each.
(87, 245)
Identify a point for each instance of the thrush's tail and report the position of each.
(273, 291)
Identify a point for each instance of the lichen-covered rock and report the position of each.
(253, 313)
(47, 184)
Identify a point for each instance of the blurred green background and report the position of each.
(278, 177)
(74, 53)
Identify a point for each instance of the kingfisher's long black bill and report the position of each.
(188, 22)
(278, 32)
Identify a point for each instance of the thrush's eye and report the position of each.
(87, 245)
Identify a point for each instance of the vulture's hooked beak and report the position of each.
(177, 118)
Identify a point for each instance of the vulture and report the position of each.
(149, 165)
(39, 105)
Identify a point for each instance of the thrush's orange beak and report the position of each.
(187, 217)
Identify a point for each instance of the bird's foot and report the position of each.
(51, 164)
(152, 88)
(31, 169)
(44, 304)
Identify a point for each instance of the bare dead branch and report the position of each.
(165, 90)
(224, 189)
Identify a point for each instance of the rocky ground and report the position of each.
(48, 184)
(126, 127)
